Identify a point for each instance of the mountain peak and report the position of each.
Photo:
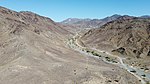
(73, 20)
(145, 16)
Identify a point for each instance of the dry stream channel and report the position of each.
(107, 57)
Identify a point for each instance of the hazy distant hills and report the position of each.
(73, 20)
(93, 23)
(145, 16)
(89, 23)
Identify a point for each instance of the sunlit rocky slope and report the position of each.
(34, 50)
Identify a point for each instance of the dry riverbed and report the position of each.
(143, 77)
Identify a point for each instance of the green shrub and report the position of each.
(147, 82)
(87, 51)
(144, 75)
(95, 54)
(133, 71)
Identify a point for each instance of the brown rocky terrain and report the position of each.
(33, 50)
(126, 36)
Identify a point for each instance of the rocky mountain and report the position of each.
(89, 23)
(34, 50)
(145, 16)
(111, 18)
(127, 35)
(73, 20)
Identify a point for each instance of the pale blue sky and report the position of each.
(59, 10)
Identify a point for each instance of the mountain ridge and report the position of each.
(89, 23)
(94, 23)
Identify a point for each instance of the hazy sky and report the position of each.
(59, 10)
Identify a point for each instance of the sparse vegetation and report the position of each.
(87, 51)
(95, 54)
(147, 82)
(146, 69)
(114, 61)
(133, 71)
(116, 80)
(109, 81)
(107, 58)
(110, 60)
(143, 75)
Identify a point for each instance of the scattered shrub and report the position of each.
(87, 51)
(143, 75)
(133, 71)
(116, 80)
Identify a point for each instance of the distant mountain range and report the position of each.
(145, 16)
(89, 23)
(93, 23)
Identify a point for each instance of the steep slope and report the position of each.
(33, 51)
(129, 33)
(17, 29)
(127, 36)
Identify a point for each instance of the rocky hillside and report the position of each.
(34, 50)
(30, 46)
(89, 23)
(127, 35)
(32, 21)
